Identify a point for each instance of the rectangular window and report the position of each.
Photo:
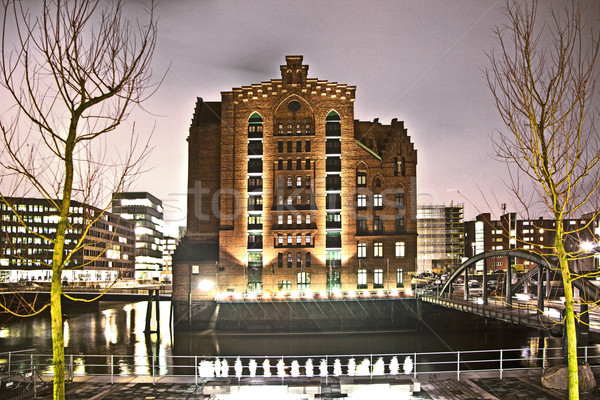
(378, 249)
(361, 201)
(280, 239)
(399, 278)
(308, 258)
(298, 129)
(289, 164)
(303, 280)
(377, 200)
(298, 164)
(280, 164)
(289, 146)
(378, 278)
(280, 146)
(298, 239)
(299, 146)
(289, 238)
(284, 285)
(362, 250)
(362, 279)
(307, 129)
(307, 164)
(361, 224)
(298, 181)
(400, 223)
(361, 179)
(399, 201)
(307, 146)
(378, 224)
(298, 260)
(289, 260)
(279, 260)
(400, 249)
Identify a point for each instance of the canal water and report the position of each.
(118, 328)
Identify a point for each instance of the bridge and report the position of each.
(529, 299)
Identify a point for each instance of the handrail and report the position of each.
(286, 368)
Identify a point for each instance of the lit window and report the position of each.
(280, 239)
(378, 249)
(377, 278)
(289, 238)
(377, 200)
(362, 250)
(307, 219)
(298, 239)
(280, 219)
(399, 277)
(361, 201)
(400, 249)
(289, 181)
(289, 200)
(299, 219)
(307, 238)
(289, 219)
(361, 179)
(298, 181)
(362, 279)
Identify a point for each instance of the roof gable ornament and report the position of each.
(294, 72)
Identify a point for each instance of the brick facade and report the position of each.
(287, 185)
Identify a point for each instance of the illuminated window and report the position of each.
(307, 239)
(289, 181)
(298, 260)
(289, 219)
(289, 259)
(303, 280)
(361, 179)
(307, 219)
(378, 200)
(362, 250)
(298, 219)
(289, 238)
(298, 181)
(361, 201)
(280, 239)
(280, 219)
(400, 249)
(362, 279)
(289, 200)
(378, 249)
(378, 278)
(399, 277)
(298, 239)
(195, 269)
(284, 285)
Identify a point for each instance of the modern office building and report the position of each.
(288, 192)
(28, 226)
(146, 212)
(440, 244)
(534, 235)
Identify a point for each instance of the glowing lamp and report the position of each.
(205, 285)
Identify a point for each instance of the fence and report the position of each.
(289, 368)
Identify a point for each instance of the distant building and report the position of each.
(535, 235)
(440, 244)
(26, 247)
(146, 211)
(288, 192)
(169, 244)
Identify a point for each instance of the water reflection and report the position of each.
(118, 329)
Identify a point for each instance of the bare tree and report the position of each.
(543, 80)
(74, 73)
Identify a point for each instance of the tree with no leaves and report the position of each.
(543, 80)
(73, 74)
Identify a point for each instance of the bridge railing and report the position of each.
(289, 368)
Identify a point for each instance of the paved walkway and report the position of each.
(472, 388)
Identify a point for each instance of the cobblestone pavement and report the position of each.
(436, 389)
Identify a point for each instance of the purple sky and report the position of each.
(420, 61)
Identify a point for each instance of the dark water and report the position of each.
(118, 329)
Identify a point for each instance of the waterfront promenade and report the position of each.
(477, 386)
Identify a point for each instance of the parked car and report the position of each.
(474, 283)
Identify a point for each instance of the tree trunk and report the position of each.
(570, 331)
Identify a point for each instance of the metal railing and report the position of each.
(289, 368)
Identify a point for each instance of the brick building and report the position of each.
(535, 235)
(27, 226)
(288, 192)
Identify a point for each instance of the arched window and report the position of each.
(377, 182)
(255, 125)
(289, 219)
(299, 219)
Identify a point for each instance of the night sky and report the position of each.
(419, 61)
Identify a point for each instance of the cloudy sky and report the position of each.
(420, 61)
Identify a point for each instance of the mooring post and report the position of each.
(148, 312)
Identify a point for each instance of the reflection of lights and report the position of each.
(394, 293)
(295, 295)
(409, 292)
(237, 296)
(366, 293)
(78, 366)
(479, 300)
(66, 333)
(380, 293)
(251, 296)
(308, 294)
(352, 294)
(323, 294)
(4, 333)
(205, 285)
(281, 295)
(266, 296)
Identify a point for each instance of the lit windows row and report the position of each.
(289, 200)
(378, 282)
(377, 200)
(298, 129)
(290, 219)
(290, 181)
(399, 249)
(361, 223)
(290, 239)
